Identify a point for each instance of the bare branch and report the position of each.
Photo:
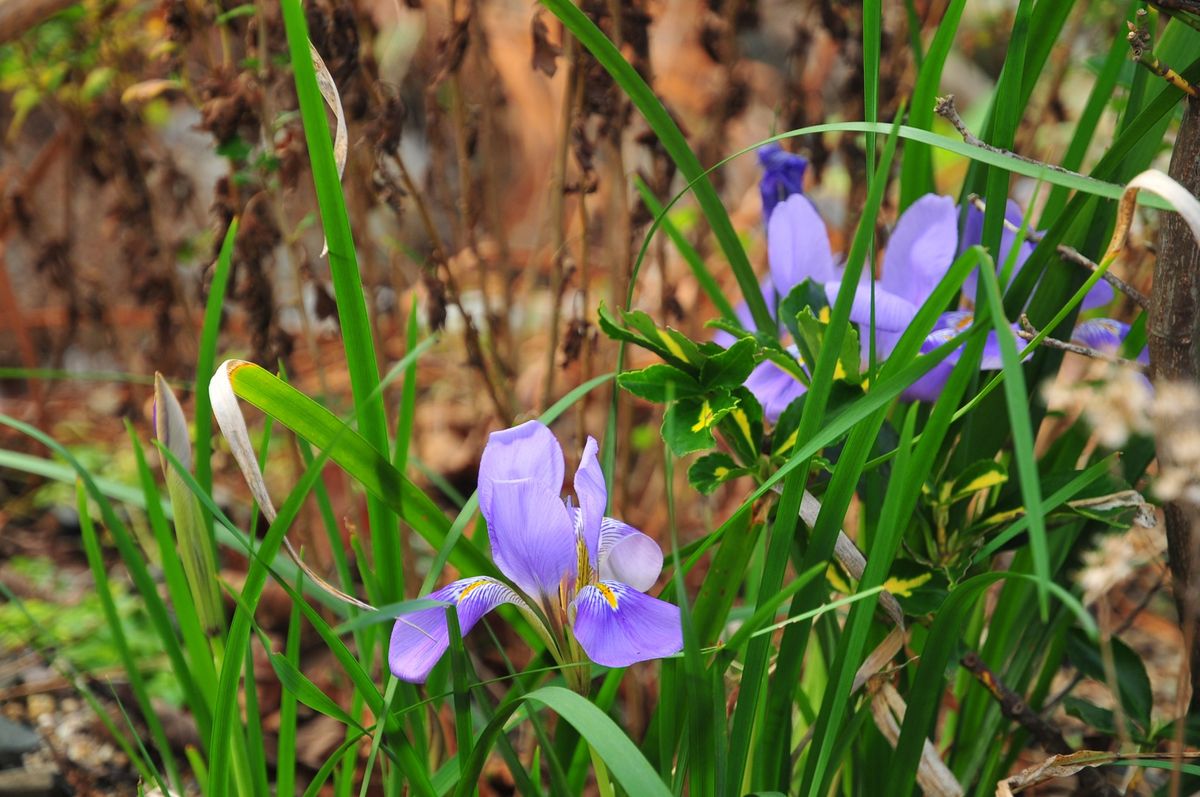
(1029, 332)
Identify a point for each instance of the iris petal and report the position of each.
(629, 556)
(798, 245)
(742, 311)
(532, 535)
(617, 626)
(419, 639)
(1104, 334)
(528, 451)
(592, 495)
(921, 248)
(774, 388)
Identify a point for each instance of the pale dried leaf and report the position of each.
(849, 556)
(1064, 766)
(233, 426)
(170, 424)
(933, 776)
(147, 90)
(341, 141)
(1156, 182)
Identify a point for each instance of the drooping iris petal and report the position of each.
(798, 245)
(528, 451)
(949, 326)
(629, 556)
(893, 313)
(617, 625)
(921, 248)
(1108, 335)
(774, 388)
(930, 386)
(532, 535)
(592, 495)
(1103, 334)
(783, 175)
(419, 639)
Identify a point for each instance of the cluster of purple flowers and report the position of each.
(925, 242)
(580, 577)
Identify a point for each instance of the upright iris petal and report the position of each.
(917, 257)
(533, 536)
(1100, 295)
(593, 496)
(528, 451)
(798, 245)
(783, 176)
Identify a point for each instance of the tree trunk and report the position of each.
(1173, 331)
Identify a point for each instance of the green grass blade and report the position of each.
(285, 756)
(206, 360)
(353, 452)
(916, 170)
(1022, 431)
(224, 717)
(348, 289)
(91, 547)
(194, 638)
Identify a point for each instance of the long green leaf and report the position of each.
(347, 288)
(624, 760)
(363, 461)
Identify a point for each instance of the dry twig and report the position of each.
(1030, 332)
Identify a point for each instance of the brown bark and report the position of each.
(1173, 332)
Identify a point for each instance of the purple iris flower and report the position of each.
(783, 176)
(918, 255)
(797, 249)
(1100, 295)
(580, 577)
(1108, 335)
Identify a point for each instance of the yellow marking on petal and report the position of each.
(903, 587)
(791, 441)
(743, 422)
(707, 416)
(839, 584)
(823, 315)
(964, 322)
(990, 479)
(672, 345)
(474, 585)
(608, 594)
